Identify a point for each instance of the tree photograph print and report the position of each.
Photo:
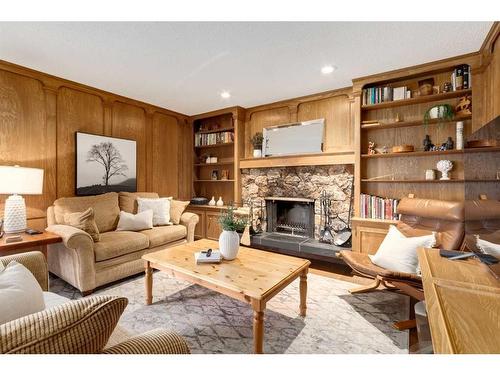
(104, 164)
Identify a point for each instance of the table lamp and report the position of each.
(18, 180)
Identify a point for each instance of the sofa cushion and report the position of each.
(163, 235)
(128, 201)
(176, 210)
(106, 209)
(114, 244)
(52, 300)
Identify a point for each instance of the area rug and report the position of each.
(336, 321)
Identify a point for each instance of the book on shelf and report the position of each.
(375, 95)
(374, 207)
(201, 139)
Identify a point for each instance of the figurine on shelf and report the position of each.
(398, 118)
(449, 144)
(371, 148)
(447, 87)
(428, 145)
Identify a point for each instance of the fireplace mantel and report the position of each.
(323, 158)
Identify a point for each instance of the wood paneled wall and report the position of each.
(39, 115)
(488, 79)
(336, 107)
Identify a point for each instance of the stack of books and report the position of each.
(213, 138)
(461, 78)
(207, 257)
(373, 207)
(375, 95)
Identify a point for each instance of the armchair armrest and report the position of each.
(157, 341)
(189, 220)
(35, 262)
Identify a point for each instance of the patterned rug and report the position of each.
(336, 321)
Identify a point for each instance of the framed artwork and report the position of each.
(105, 164)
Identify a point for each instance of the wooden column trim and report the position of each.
(50, 177)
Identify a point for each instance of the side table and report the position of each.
(29, 242)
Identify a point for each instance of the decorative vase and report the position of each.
(212, 202)
(460, 135)
(434, 112)
(220, 202)
(257, 153)
(444, 166)
(229, 244)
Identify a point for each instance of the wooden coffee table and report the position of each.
(254, 277)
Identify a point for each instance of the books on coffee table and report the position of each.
(205, 257)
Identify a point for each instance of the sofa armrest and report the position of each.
(73, 260)
(73, 238)
(35, 262)
(157, 341)
(189, 220)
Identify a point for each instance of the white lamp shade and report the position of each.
(20, 180)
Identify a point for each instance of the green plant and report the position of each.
(445, 112)
(229, 221)
(257, 140)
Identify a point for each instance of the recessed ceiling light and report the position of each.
(327, 69)
(225, 94)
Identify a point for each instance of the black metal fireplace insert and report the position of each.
(292, 216)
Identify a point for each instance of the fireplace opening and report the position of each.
(291, 216)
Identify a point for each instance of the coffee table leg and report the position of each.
(149, 283)
(258, 331)
(303, 292)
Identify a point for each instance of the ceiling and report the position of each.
(185, 66)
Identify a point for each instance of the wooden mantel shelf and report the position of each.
(324, 158)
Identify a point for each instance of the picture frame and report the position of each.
(104, 164)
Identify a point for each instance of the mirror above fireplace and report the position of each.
(295, 138)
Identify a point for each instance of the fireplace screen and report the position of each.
(292, 216)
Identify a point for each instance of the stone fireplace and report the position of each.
(287, 201)
(303, 183)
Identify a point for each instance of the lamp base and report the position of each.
(14, 219)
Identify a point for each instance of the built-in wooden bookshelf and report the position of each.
(225, 128)
(398, 122)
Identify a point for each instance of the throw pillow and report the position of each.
(399, 253)
(160, 207)
(177, 208)
(76, 327)
(488, 247)
(20, 293)
(142, 220)
(84, 221)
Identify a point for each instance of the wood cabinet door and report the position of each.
(200, 230)
(213, 226)
(368, 239)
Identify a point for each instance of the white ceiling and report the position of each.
(185, 66)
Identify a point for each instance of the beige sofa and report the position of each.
(86, 264)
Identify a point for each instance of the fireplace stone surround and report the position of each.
(304, 183)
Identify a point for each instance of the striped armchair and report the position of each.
(85, 326)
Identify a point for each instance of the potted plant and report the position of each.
(439, 111)
(229, 240)
(256, 141)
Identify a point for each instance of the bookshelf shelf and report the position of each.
(370, 220)
(216, 145)
(228, 129)
(411, 154)
(407, 124)
(409, 181)
(417, 100)
(214, 164)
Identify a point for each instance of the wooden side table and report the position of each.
(28, 242)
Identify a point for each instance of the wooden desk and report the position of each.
(28, 242)
(463, 304)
